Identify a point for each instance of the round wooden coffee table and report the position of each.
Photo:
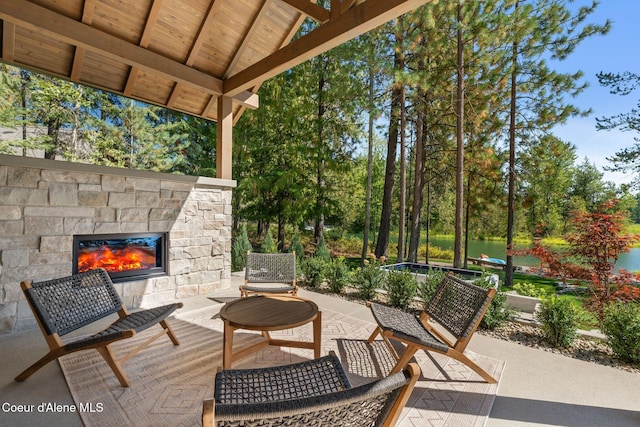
(268, 313)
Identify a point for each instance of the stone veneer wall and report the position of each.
(43, 203)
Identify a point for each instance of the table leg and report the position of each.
(227, 351)
(317, 335)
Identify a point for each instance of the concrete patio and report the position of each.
(537, 387)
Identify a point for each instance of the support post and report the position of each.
(224, 154)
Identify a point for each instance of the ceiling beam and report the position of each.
(149, 24)
(355, 21)
(88, 12)
(205, 26)
(8, 41)
(312, 10)
(41, 20)
(248, 35)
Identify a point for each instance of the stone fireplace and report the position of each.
(48, 207)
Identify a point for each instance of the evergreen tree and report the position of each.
(322, 252)
(268, 245)
(296, 246)
(239, 249)
(625, 160)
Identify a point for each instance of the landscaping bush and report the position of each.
(337, 274)
(559, 319)
(427, 288)
(402, 286)
(498, 313)
(268, 245)
(239, 249)
(621, 325)
(313, 269)
(529, 290)
(369, 278)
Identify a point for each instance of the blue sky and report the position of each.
(616, 52)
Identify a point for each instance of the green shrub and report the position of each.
(268, 245)
(498, 313)
(313, 269)
(296, 246)
(427, 288)
(322, 251)
(529, 290)
(369, 278)
(346, 245)
(621, 325)
(402, 286)
(337, 274)
(239, 249)
(559, 319)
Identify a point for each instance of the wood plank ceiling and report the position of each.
(179, 54)
(206, 58)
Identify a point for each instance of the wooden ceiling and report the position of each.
(180, 54)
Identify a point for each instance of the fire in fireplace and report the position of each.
(128, 256)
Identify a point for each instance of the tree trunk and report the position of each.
(319, 223)
(281, 226)
(23, 101)
(466, 223)
(403, 175)
(418, 185)
(367, 220)
(382, 246)
(508, 277)
(457, 245)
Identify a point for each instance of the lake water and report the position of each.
(629, 261)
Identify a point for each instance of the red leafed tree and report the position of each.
(594, 248)
(597, 242)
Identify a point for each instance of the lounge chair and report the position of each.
(456, 305)
(66, 304)
(315, 392)
(270, 274)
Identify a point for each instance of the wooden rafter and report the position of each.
(149, 25)
(41, 20)
(248, 35)
(310, 9)
(355, 21)
(193, 55)
(78, 58)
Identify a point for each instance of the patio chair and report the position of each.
(270, 274)
(456, 305)
(315, 392)
(67, 304)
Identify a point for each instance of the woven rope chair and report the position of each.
(270, 274)
(66, 304)
(311, 393)
(456, 305)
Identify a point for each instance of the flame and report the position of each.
(129, 258)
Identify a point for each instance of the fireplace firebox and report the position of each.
(125, 256)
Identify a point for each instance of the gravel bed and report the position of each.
(586, 349)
